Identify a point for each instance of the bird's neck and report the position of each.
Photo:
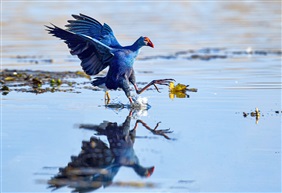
(136, 46)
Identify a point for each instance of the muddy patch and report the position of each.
(43, 81)
(38, 82)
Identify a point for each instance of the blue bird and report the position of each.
(97, 48)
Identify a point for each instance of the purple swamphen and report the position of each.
(97, 47)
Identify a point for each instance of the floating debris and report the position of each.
(5, 88)
(255, 114)
(178, 88)
(59, 81)
(9, 78)
(52, 82)
(179, 91)
(213, 53)
(245, 114)
(39, 81)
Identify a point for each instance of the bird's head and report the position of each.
(148, 42)
(145, 41)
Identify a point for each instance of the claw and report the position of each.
(162, 131)
(157, 88)
(163, 81)
(169, 79)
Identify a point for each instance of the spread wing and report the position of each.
(94, 55)
(86, 25)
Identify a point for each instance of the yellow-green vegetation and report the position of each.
(55, 82)
(37, 81)
(9, 78)
(179, 90)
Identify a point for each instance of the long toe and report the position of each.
(163, 81)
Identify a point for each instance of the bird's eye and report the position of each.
(146, 40)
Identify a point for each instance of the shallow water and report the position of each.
(222, 49)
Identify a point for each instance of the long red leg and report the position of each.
(154, 82)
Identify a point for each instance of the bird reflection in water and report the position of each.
(97, 163)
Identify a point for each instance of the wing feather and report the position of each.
(94, 55)
(86, 25)
(90, 63)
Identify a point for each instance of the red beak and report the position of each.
(150, 44)
(150, 171)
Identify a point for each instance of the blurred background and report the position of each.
(172, 26)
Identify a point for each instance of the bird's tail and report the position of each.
(98, 81)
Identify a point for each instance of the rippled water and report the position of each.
(229, 51)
